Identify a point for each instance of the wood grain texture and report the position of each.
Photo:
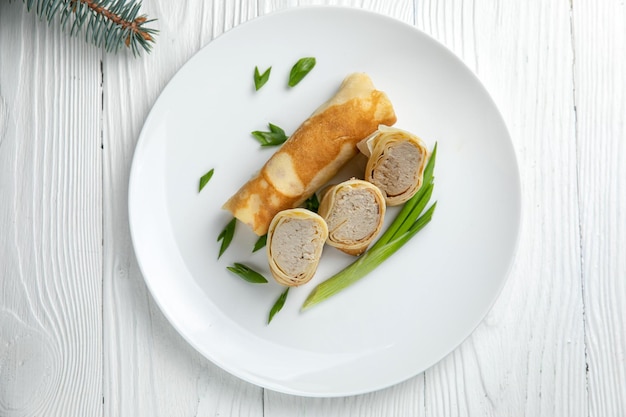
(600, 94)
(148, 368)
(50, 221)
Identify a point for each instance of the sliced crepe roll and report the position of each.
(396, 163)
(295, 240)
(354, 211)
(313, 154)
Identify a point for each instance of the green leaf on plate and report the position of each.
(247, 273)
(261, 79)
(300, 70)
(275, 136)
(260, 243)
(226, 236)
(278, 305)
(204, 180)
(312, 203)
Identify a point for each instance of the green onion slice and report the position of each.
(260, 243)
(204, 180)
(247, 273)
(275, 136)
(278, 305)
(300, 70)
(312, 203)
(226, 236)
(261, 79)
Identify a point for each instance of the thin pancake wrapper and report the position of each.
(396, 162)
(354, 211)
(314, 153)
(295, 241)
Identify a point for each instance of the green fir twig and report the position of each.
(111, 24)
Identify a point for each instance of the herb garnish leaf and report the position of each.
(226, 236)
(247, 273)
(312, 203)
(275, 136)
(300, 70)
(278, 305)
(205, 179)
(261, 79)
(260, 243)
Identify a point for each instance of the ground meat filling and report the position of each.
(397, 169)
(354, 216)
(295, 245)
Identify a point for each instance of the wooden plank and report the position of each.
(401, 400)
(527, 357)
(148, 368)
(600, 93)
(50, 220)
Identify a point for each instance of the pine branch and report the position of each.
(110, 24)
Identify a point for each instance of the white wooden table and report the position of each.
(81, 336)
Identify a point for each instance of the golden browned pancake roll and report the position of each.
(354, 211)
(396, 162)
(314, 153)
(295, 241)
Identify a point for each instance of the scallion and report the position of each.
(278, 305)
(204, 180)
(226, 236)
(312, 203)
(275, 136)
(261, 79)
(300, 70)
(260, 243)
(247, 273)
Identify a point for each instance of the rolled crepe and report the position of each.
(354, 211)
(313, 154)
(396, 162)
(295, 240)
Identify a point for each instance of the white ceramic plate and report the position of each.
(406, 315)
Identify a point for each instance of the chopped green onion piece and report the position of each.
(406, 224)
(275, 136)
(312, 203)
(247, 273)
(226, 236)
(278, 305)
(260, 243)
(204, 180)
(261, 79)
(300, 70)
